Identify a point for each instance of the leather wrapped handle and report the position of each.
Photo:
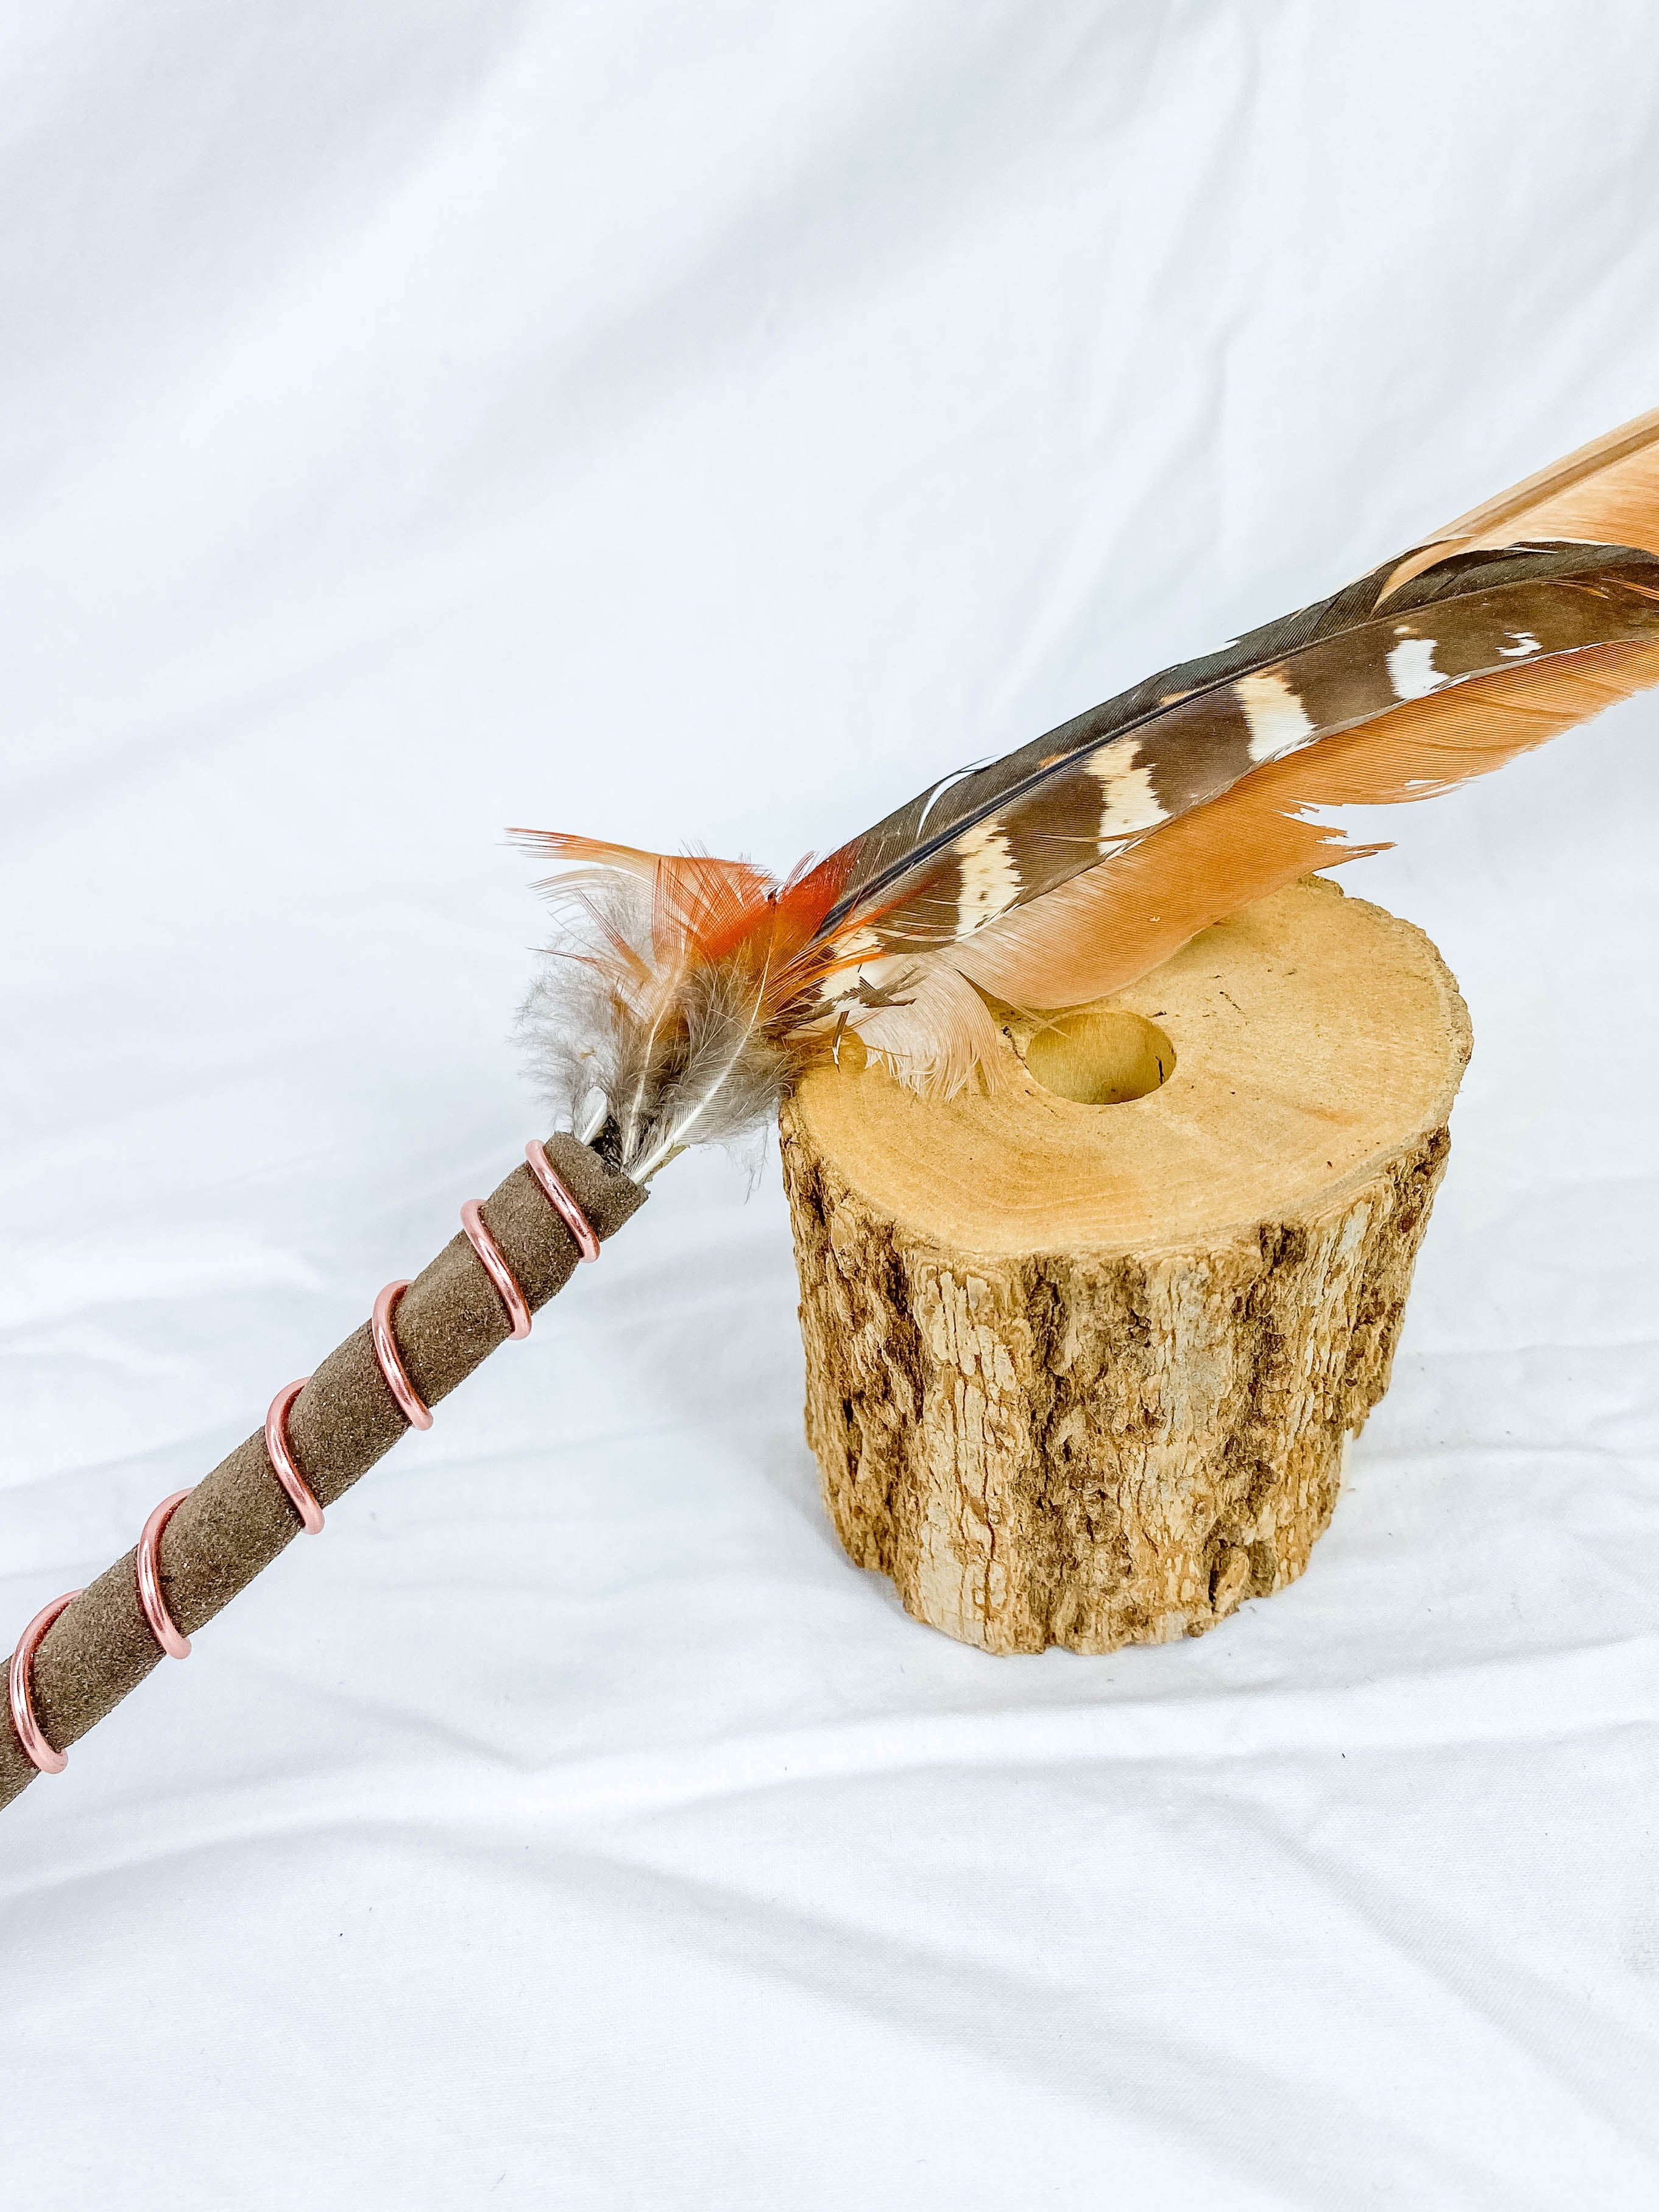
(237, 1519)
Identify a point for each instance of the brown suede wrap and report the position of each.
(239, 1518)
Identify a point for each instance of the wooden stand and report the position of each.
(1082, 1373)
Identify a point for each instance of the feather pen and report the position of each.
(682, 993)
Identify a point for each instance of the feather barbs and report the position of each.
(694, 976)
(1607, 492)
(705, 909)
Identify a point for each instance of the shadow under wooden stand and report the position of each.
(1083, 1352)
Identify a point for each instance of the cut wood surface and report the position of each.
(1082, 1373)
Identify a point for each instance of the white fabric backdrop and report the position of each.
(708, 424)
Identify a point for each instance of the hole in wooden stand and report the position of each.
(1100, 1056)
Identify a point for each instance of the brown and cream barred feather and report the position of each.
(1069, 868)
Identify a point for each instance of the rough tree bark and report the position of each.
(1083, 1373)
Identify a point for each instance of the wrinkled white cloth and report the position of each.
(709, 423)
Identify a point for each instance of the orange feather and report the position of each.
(1099, 931)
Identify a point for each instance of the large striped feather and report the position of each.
(1100, 859)
(1066, 869)
(1058, 807)
(1100, 931)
